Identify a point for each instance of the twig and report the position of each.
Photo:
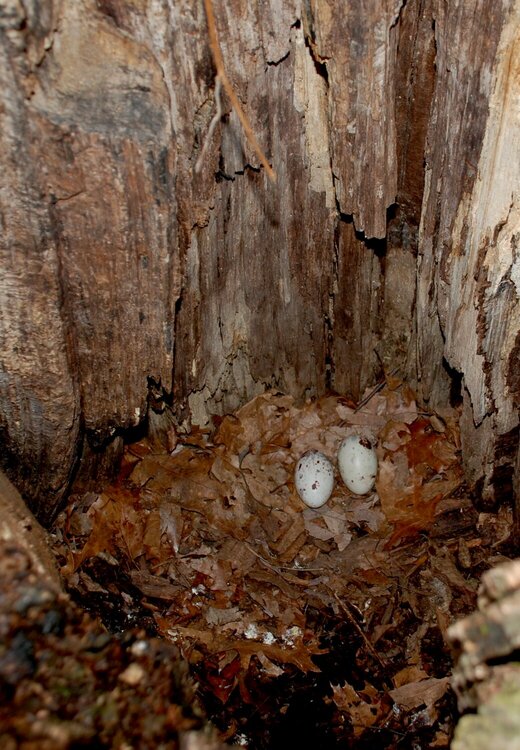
(375, 390)
(262, 559)
(367, 643)
(279, 568)
(228, 88)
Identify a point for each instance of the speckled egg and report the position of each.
(357, 463)
(314, 479)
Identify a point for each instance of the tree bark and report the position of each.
(487, 676)
(468, 274)
(122, 264)
(20, 531)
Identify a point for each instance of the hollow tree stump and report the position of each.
(388, 240)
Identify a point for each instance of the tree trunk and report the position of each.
(487, 675)
(469, 269)
(123, 265)
(20, 531)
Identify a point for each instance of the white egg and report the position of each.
(357, 462)
(314, 479)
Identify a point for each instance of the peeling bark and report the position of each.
(468, 294)
(357, 47)
(357, 312)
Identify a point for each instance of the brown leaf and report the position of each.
(362, 714)
(152, 535)
(230, 434)
(411, 673)
(107, 514)
(408, 501)
(429, 447)
(422, 692)
(299, 654)
(153, 586)
(292, 538)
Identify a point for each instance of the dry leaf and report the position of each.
(420, 693)
(361, 713)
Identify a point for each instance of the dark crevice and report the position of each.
(100, 450)
(158, 396)
(434, 29)
(397, 20)
(502, 478)
(456, 378)
(319, 64)
(310, 42)
(158, 399)
(376, 244)
(221, 175)
(248, 167)
(176, 316)
(274, 63)
(111, 10)
(330, 364)
(321, 69)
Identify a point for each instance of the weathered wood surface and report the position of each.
(120, 262)
(20, 531)
(487, 675)
(469, 268)
(89, 262)
(357, 45)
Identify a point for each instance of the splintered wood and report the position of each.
(212, 539)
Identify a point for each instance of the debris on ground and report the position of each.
(323, 625)
(65, 682)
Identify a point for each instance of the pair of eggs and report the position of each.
(314, 474)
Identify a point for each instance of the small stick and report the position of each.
(228, 88)
(278, 569)
(369, 646)
(262, 559)
(373, 392)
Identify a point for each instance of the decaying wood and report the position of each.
(469, 283)
(415, 75)
(221, 78)
(88, 261)
(361, 79)
(359, 299)
(497, 721)
(123, 263)
(487, 675)
(486, 638)
(20, 529)
(516, 501)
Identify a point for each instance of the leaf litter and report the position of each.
(276, 606)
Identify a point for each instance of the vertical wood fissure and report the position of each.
(387, 241)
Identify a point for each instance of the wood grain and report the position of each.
(468, 290)
(388, 239)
